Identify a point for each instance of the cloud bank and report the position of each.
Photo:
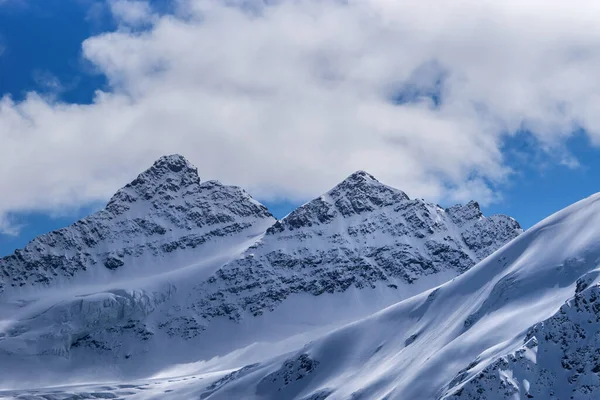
(288, 97)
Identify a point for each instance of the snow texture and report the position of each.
(193, 289)
(521, 324)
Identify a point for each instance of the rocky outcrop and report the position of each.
(165, 210)
(559, 359)
(361, 234)
(239, 262)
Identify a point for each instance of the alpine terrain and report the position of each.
(184, 289)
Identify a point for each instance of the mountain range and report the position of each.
(181, 288)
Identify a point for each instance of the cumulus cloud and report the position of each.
(288, 97)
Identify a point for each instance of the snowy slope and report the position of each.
(523, 323)
(164, 218)
(178, 271)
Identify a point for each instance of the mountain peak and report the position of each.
(168, 174)
(170, 167)
(362, 186)
(361, 176)
(172, 162)
(359, 193)
(165, 210)
(356, 180)
(463, 213)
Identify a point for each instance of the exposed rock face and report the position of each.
(523, 323)
(175, 254)
(360, 234)
(165, 210)
(291, 371)
(559, 358)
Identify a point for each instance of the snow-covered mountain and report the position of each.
(361, 234)
(524, 323)
(175, 270)
(146, 227)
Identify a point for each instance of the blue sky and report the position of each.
(42, 42)
(49, 48)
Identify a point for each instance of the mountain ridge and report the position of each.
(173, 173)
(174, 263)
(521, 324)
(167, 199)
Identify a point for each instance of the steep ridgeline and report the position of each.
(360, 234)
(559, 358)
(175, 271)
(161, 220)
(522, 324)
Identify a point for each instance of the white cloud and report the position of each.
(8, 226)
(132, 12)
(48, 82)
(288, 99)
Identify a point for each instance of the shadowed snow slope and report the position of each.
(181, 277)
(523, 323)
